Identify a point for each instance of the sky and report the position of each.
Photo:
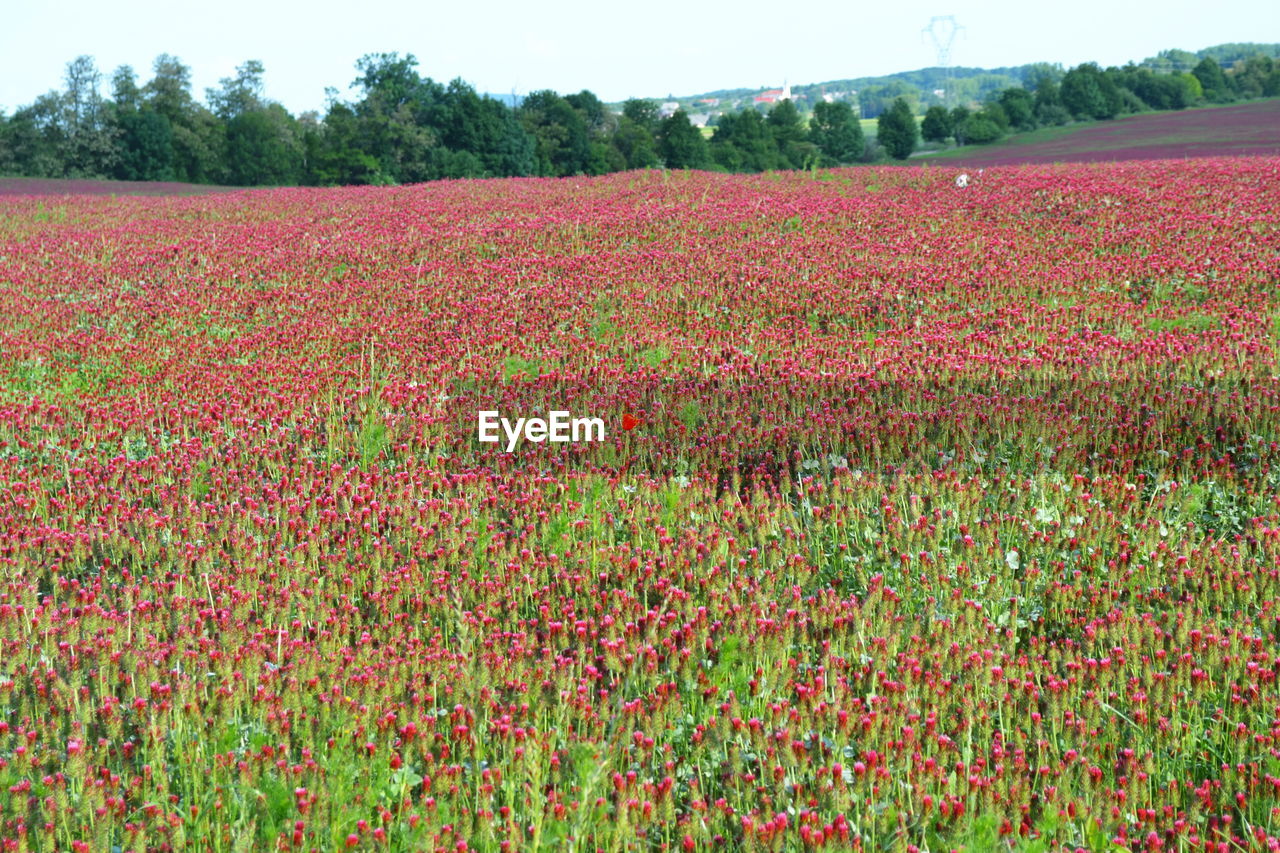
(646, 49)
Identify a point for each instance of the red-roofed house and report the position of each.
(773, 96)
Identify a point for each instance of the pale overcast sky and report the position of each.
(617, 50)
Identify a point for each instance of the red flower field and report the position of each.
(947, 518)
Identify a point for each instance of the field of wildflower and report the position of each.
(948, 518)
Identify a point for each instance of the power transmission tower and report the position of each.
(943, 30)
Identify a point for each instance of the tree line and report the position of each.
(402, 128)
(405, 128)
(1086, 92)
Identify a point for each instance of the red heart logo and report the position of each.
(630, 421)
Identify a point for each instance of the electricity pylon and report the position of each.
(943, 30)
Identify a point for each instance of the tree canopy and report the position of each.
(837, 132)
(896, 130)
(404, 127)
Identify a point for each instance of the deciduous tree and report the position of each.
(896, 130)
(936, 126)
(680, 144)
(837, 132)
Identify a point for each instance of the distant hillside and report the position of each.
(1236, 130)
(927, 86)
(1225, 54)
(874, 94)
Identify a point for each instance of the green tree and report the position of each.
(145, 147)
(561, 142)
(878, 98)
(34, 139)
(169, 90)
(1087, 92)
(390, 80)
(896, 130)
(197, 136)
(788, 132)
(486, 128)
(643, 112)
(600, 122)
(201, 148)
(264, 148)
(1020, 107)
(1038, 74)
(1164, 91)
(335, 153)
(1048, 104)
(88, 136)
(1127, 99)
(959, 119)
(936, 126)
(635, 137)
(680, 144)
(1171, 61)
(981, 128)
(262, 143)
(1193, 92)
(784, 123)
(1212, 81)
(636, 144)
(1256, 77)
(125, 93)
(6, 156)
(393, 117)
(837, 132)
(995, 113)
(742, 143)
(239, 94)
(144, 138)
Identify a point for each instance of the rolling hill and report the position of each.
(1239, 129)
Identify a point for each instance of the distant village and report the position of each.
(702, 112)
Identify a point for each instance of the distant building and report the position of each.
(699, 119)
(668, 109)
(773, 96)
(710, 102)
